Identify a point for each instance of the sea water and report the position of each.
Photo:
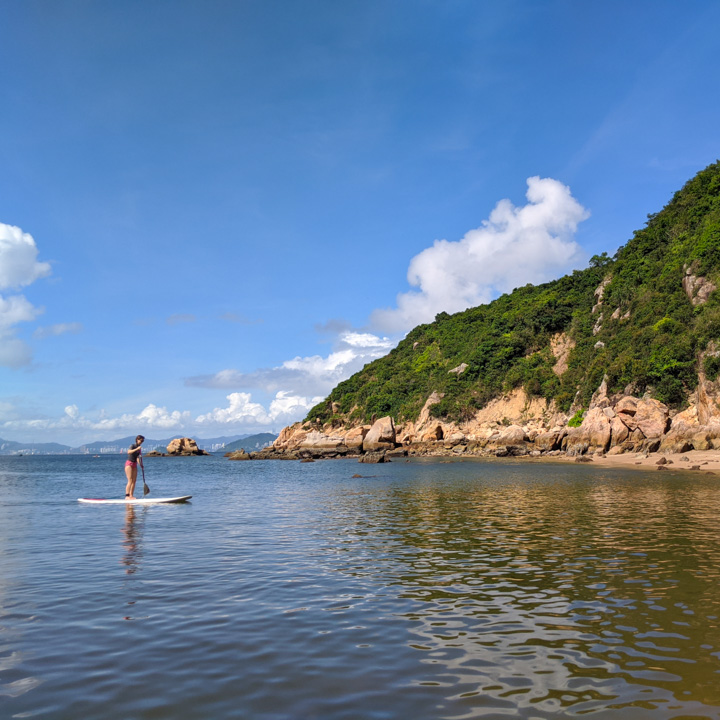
(420, 590)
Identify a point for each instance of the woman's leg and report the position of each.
(131, 473)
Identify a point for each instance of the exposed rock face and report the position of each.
(381, 436)
(592, 436)
(547, 441)
(518, 425)
(434, 432)
(599, 293)
(512, 435)
(460, 369)
(356, 437)
(561, 344)
(697, 289)
(651, 418)
(184, 446)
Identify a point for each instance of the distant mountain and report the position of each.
(121, 444)
(9, 447)
(116, 446)
(252, 442)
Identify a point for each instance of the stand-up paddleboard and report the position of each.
(135, 501)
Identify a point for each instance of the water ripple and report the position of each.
(433, 591)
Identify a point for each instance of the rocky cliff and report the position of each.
(622, 356)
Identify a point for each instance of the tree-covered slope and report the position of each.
(644, 318)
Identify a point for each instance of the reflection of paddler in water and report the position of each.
(132, 543)
(131, 466)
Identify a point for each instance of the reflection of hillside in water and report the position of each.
(584, 595)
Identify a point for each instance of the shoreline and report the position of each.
(695, 461)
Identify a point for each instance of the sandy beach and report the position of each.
(692, 461)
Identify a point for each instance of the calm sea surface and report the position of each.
(421, 590)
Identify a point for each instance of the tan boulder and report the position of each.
(406, 434)
(238, 455)
(184, 446)
(651, 417)
(708, 396)
(683, 428)
(321, 443)
(593, 435)
(626, 406)
(355, 437)
(547, 441)
(433, 432)
(291, 437)
(381, 435)
(511, 435)
(619, 431)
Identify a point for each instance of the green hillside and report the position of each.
(651, 338)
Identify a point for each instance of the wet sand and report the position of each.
(693, 460)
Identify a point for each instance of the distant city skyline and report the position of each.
(212, 213)
(120, 446)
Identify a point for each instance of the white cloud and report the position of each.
(514, 246)
(241, 415)
(18, 259)
(158, 417)
(150, 418)
(18, 267)
(15, 309)
(310, 376)
(72, 412)
(241, 410)
(58, 329)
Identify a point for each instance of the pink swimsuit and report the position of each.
(133, 463)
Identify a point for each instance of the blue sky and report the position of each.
(211, 212)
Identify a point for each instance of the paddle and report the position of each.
(146, 489)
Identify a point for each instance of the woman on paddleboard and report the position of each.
(131, 465)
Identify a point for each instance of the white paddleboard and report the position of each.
(135, 501)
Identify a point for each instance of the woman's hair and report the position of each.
(139, 438)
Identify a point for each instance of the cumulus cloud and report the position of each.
(310, 376)
(240, 415)
(19, 267)
(58, 329)
(149, 418)
(241, 410)
(514, 246)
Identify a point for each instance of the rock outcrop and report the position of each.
(516, 425)
(381, 436)
(697, 288)
(185, 447)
